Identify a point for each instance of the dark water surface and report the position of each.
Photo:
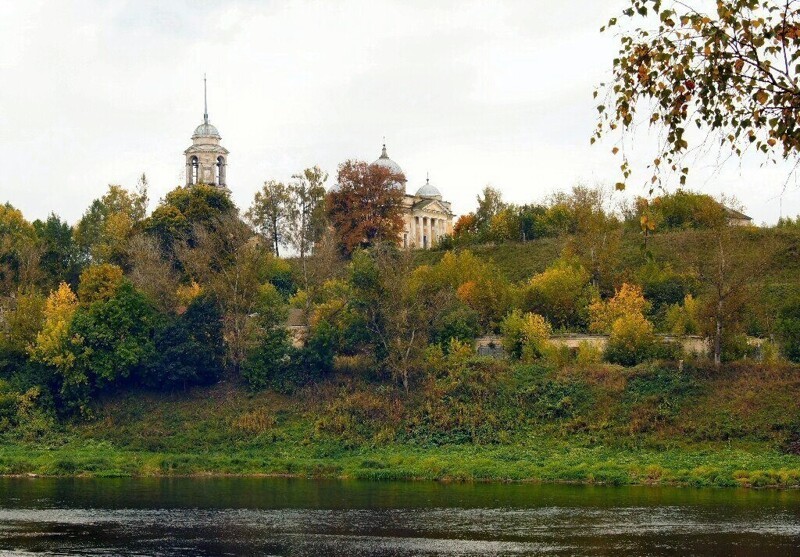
(255, 516)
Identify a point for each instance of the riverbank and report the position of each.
(537, 461)
(652, 425)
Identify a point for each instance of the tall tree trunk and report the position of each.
(718, 336)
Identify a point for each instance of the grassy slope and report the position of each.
(723, 430)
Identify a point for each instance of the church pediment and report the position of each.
(432, 206)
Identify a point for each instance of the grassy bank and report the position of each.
(648, 425)
(709, 465)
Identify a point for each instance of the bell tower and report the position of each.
(206, 159)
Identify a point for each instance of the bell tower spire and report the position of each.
(205, 100)
(206, 159)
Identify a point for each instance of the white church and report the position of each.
(427, 216)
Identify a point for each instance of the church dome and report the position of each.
(206, 130)
(429, 190)
(386, 162)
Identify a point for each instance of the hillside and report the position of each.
(650, 424)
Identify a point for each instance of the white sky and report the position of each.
(475, 92)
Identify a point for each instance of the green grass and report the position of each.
(647, 425)
(531, 460)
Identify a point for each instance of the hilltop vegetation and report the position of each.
(155, 344)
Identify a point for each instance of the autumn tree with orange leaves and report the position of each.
(365, 208)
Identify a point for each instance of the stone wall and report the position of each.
(492, 345)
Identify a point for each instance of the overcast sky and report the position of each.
(474, 92)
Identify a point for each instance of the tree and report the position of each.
(307, 191)
(21, 318)
(526, 337)
(99, 283)
(398, 320)
(365, 208)
(189, 347)
(561, 294)
(272, 214)
(232, 265)
(788, 328)
(153, 273)
(726, 272)
(19, 254)
(52, 342)
(733, 73)
(59, 260)
(103, 231)
(183, 210)
(489, 204)
(111, 341)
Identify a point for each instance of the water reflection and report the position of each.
(239, 516)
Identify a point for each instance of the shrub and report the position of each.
(588, 354)
(683, 319)
(525, 337)
(561, 294)
(788, 328)
(273, 363)
(460, 323)
(628, 300)
(632, 340)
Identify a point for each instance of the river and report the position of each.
(259, 516)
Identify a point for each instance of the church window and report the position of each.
(195, 171)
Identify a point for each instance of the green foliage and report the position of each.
(561, 294)
(99, 283)
(112, 340)
(60, 259)
(102, 233)
(525, 337)
(789, 330)
(681, 210)
(631, 341)
(460, 323)
(17, 249)
(189, 348)
(183, 209)
(278, 365)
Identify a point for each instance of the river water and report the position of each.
(257, 516)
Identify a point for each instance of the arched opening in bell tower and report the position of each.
(220, 171)
(195, 171)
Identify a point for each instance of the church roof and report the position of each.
(386, 162)
(429, 190)
(206, 130)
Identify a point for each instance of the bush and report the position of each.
(561, 295)
(461, 323)
(525, 337)
(627, 300)
(273, 363)
(788, 328)
(277, 365)
(588, 354)
(632, 340)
